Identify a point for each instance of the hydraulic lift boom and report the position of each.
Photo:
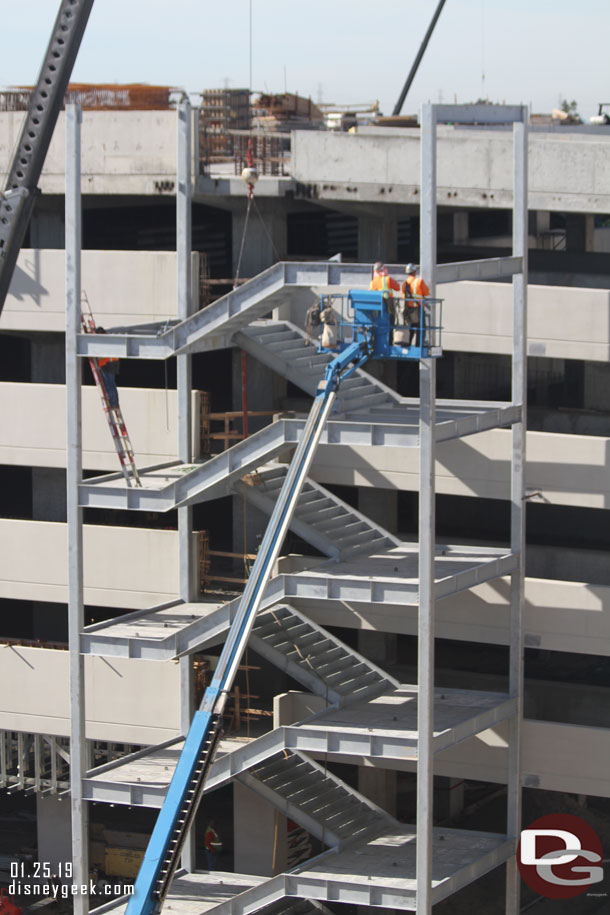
(367, 326)
(186, 788)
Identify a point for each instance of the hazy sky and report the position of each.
(344, 51)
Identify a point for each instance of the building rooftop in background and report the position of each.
(98, 97)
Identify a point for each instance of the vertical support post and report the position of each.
(53, 745)
(184, 279)
(244, 392)
(427, 532)
(517, 522)
(187, 558)
(21, 766)
(184, 293)
(3, 766)
(195, 166)
(78, 748)
(37, 761)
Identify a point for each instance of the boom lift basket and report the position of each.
(392, 327)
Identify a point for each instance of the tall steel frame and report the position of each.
(74, 473)
(79, 761)
(430, 118)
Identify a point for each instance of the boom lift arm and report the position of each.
(367, 324)
(186, 788)
(17, 200)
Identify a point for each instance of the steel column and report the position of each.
(3, 766)
(53, 745)
(184, 380)
(78, 755)
(184, 284)
(519, 396)
(184, 292)
(37, 760)
(425, 629)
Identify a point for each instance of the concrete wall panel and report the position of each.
(563, 322)
(561, 469)
(559, 616)
(131, 701)
(33, 431)
(123, 152)
(474, 168)
(556, 757)
(34, 564)
(123, 287)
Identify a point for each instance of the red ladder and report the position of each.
(114, 416)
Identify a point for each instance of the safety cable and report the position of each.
(243, 239)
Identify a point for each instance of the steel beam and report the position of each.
(186, 551)
(518, 503)
(329, 584)
(319, 735)
(215, 326)
(481, 114)
(336, 877)
(216, 477)
(490, 268)
(427, 532)
(78, 749)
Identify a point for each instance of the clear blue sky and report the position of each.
(528, 51)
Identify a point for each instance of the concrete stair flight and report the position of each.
(318, 660)
(285, 348)
(215, 324)
(321, 518)
(317, 800)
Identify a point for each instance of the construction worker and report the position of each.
(212, 845)
(382, 281)
(329, 328)
(414, 290)
(313, 321)
(109, 369)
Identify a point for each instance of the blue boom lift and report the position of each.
(366, 330)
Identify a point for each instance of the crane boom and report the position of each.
(418, 59)
(17, 200)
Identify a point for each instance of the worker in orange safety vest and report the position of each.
(109, 368)
(382, 281)
(414, 288)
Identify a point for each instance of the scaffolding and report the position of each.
(421, 890)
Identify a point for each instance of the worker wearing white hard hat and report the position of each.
(414, 291)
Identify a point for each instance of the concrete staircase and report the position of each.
(215, 325)
(285, 348)
(321, 518)
(317, 800)
(318, 660)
